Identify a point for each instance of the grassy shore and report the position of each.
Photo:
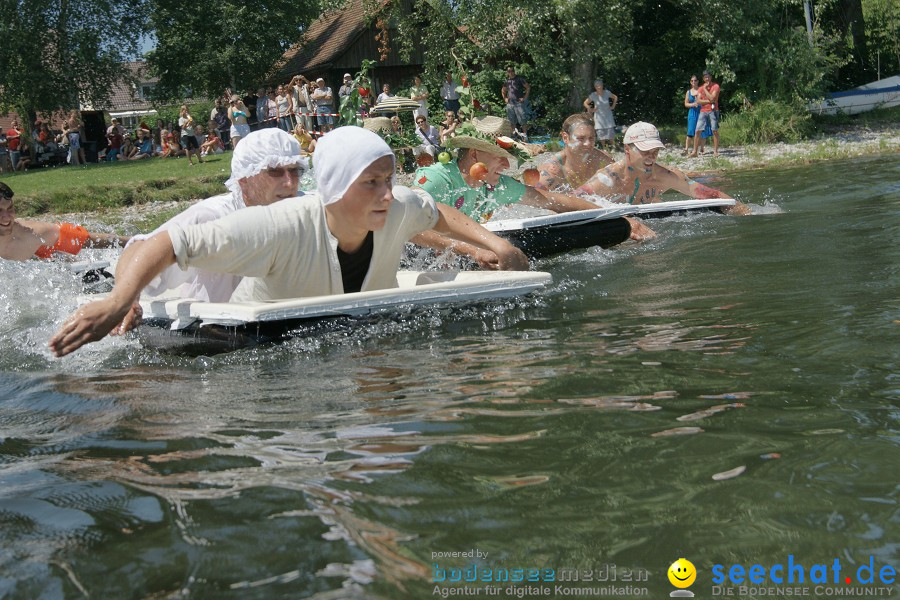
(132, 197)
(104, 186)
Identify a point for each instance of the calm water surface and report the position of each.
(578, 428)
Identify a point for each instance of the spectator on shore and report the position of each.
(45, 136)
(693, 106)
(419, 93)
(272, 109)
(5, 165)
(302, 102)
(448, 126)
(213, 144)
(262, 107)
(75, 124)
(237, 114)
(515, 92)
(429, 136)
(601, 102)
(116, 125)
(449, 94)
(346, 87)
(219, 115)
(396, 127)
(284, 107)
(25, 151)
(324, 105)
(577, 162)
(303, 137)
(188, 138)
(159, 137)
(348, 239)
(172, 148)
(708, 97)
(127, 150)
(143, 147)
(639, 179)
(73, 137)
(114, 143)
(385, 94)
(13, 143)
(23, 239)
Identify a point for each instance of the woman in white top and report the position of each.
(419, 93)
(285, 106)
(604, 102)
(188, 136)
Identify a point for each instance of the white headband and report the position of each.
(342, 155)
(261, 150)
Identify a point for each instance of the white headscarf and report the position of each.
(260, 150)
(341, 156)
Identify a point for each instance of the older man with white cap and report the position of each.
(346, 87)
(324, 100)
(266, 167)
(347, 237)
(639, 179)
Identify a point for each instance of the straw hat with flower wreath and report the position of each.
(378, 124)
(482, 145)
(493, 126)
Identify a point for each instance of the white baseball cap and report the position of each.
(348, 76)
(643, 135)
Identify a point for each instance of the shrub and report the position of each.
(766, 122)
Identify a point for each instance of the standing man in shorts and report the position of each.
(324, 99)
(515, 93)
(708, 97)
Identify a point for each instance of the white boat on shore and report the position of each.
(883, 93)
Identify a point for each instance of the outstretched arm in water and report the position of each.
(117, 313)
(459, 233)
(699, 191)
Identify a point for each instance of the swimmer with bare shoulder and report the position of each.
(22, 239)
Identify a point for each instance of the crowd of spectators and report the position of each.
(309, 108)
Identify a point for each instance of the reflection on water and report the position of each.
(725, 393)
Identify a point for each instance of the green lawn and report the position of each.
(97, 186)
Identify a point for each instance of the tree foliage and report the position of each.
(207, 45)
(645, 51)
(57, 53)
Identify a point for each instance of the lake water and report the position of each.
(579, 428)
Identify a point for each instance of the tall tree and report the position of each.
(207, 45)
(56, 54)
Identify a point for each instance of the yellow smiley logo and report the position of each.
(682, 573)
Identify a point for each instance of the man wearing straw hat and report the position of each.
(347, 237)
(454, 184)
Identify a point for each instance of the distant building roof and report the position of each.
(127, 95)
(326, 39)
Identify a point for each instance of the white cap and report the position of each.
(320, 79)
(348, 76)
(643, 135)
(260, 150)
(336, 168)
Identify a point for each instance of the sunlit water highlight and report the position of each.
(602, 421)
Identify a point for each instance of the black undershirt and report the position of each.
(355, 266)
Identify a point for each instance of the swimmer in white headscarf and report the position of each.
(265, 168)
(347, 237)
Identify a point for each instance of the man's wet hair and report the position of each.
(6, 191)
(573, 121)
